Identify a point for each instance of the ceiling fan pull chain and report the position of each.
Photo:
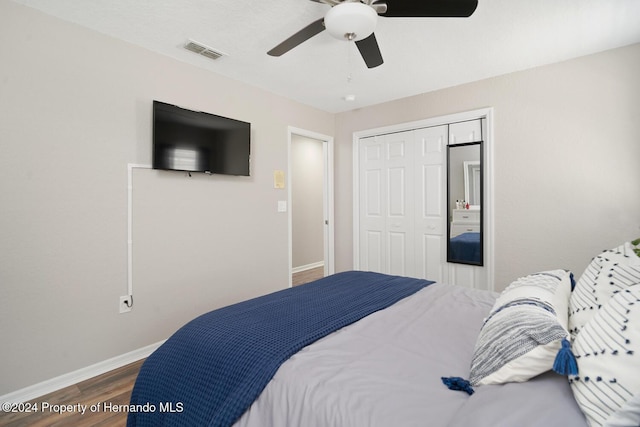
(349, 96)
(349, 62)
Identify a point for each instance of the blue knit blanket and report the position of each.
(213, 368)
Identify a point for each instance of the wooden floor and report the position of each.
(112, 388)
(307, 276)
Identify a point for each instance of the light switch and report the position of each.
(282, 205)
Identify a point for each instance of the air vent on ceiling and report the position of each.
(203, 50)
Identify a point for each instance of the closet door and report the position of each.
(401, 217)
(387, 204)
(371, 206)
(430, 227)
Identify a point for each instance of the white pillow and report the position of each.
(609, 272)
(524, 331)
(607, 349)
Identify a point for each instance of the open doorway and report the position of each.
(311, 206)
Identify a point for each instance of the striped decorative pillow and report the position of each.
(525, 329)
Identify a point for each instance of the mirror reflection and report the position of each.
(464, 193)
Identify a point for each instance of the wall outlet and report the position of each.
(125, 304)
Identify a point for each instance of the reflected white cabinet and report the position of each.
(464, 221)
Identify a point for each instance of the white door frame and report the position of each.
(488, 201)
(327, 150)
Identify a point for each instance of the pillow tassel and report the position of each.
(458, 384)
(565, 363)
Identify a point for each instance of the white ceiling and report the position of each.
(421, 54)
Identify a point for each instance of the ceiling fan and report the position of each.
(355, 20)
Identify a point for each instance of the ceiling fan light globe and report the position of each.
(351, 18)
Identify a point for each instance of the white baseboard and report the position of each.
(307, 267)
(57, 383)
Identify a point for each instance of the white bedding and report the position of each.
(386, 369)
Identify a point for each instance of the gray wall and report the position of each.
(75, 109)
(566, 153)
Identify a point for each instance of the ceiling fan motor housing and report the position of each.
(353, 21)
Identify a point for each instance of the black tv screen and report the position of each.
(195, 141)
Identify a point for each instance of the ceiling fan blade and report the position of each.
(429, 8)
(301, 36)
(370, 51)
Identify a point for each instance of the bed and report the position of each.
(466, 247)
(419, 353)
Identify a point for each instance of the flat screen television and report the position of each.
(195, 141)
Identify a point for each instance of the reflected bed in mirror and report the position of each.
(464, 200)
